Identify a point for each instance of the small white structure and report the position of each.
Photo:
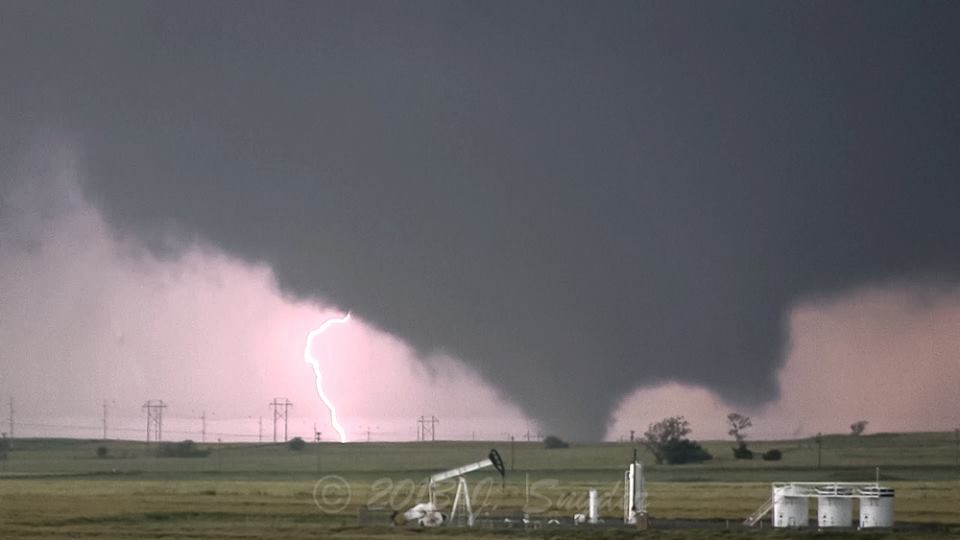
(425, 515)
(634, 493)
(791, 508)
(834, 506)
(594, 510)
(876, 507)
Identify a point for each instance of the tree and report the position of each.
(660, 435)
(551, 442)
(858, 427)
(667, 441)
(738, 425)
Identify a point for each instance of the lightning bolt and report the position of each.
(309, 358)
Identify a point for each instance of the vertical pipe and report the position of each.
(526, 482)
(594, 510)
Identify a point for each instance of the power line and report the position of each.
(132, 430)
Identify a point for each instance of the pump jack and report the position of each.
(429, 515)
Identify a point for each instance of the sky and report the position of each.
(559, 217)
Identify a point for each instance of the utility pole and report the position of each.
(513, 455)
(280, 411)
(203, 427)
(104, 419)
(956, 435)
(260, 430)
(631, 436)
(154, 410)
(819, 440)
(433, 427)
(10, 444)
(368, 433)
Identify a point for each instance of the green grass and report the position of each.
(59, 488)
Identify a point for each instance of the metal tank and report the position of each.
(834, 506)
(791, 508)
(876, 507)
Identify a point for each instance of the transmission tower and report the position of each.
(426, 427)
(280, 407)
(154, 410)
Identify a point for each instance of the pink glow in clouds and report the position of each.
(90, 318)
(890, 355)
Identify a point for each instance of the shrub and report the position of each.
(742, 452)
(685, 451)
(772, 455)
(102, 451)
(296, 444)
(551, 442)
(183, 449)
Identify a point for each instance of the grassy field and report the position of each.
(60, 488)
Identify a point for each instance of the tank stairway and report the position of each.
(758, 514)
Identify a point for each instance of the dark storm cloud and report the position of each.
(576, 198)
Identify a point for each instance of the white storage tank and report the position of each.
(876, 507)
(834, 506)
(791, 508)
